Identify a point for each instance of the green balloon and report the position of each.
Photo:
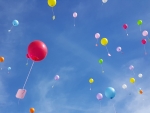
(139, 22)
(100, 61)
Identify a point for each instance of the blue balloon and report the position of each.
(15, 23)
(110, 92)
(9, 68)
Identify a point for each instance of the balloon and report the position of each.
(140, 75)
(75, 14)
(91, 80)
(139, 22)
(1, 59)
(52, 3)
(99, 96)
(140, 91)
(131, 67)
(143, 41)
(32, 110)
(110, 92)
(104, 41)
(124, 86)
(104, 1)
(37, 50)
(97, 35)
(100, 61)
(132, 80)
(21, 93)
(118, 49)
(57, 77)
(145, 33)
(125, 26)
(15, 23)
(9, 68)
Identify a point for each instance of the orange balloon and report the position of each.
(141, 92)
(32, 110)
(1, 59)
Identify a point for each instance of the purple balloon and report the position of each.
(99, 96)
(57, 77)
(131, 67)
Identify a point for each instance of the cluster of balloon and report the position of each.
(104, 42)
(131, 67)
(1, 60)
(125, 26)
(32, 110)
(75, 16)
(97, 36)
(52, 3)
(91, 80)
(14, 23)
(9, 68)
(145, 34)
(144, 41)
(101, 61)
(99, 97)
(139, 23)
(37, 51)
(110, 93)
(56, 78)
(119, 49)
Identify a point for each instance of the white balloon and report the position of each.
(124, 86)
(104, 1)
(140, 75)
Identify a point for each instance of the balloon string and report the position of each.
(102, 68)
(114, 108)
(140, 28)
(100, 107)
(90, 87)
(126, 32)
(52, 11)
(10, 29)
(27, 62)
(1, 66)
(53, 17)
(28, 75)
(145, 50)
(74, 22)
(133, 72)
(108, 51)
(18, 101)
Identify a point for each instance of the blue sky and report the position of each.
(72, 55)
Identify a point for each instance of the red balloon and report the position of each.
(37, 50)
(27, 56)
(143, 41)
(125, 26)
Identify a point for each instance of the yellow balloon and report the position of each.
(91, 80)
(51, 3)
(104, 41)
(132, 80)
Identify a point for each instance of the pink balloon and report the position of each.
(131, 67)
(57, 77)
(21, 93)
(119, 49)
(97, 35)
(145, 33)
(75, 14)
(99, 96)
(144, 41)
